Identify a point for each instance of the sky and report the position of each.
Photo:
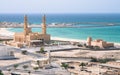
(59, 6)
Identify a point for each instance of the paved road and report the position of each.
(72, 58)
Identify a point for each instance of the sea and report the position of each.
(107, 33)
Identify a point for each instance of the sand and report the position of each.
(88, 53)
(66, 39)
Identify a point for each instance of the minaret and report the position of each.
(44, 25)
(25, 25)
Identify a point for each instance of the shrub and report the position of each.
(79, 45)
(42, 50)
(65, 65)
(94, 59)
(24, 52)
(35, 68)
(106, 60)
(15, 66)
(25, 66)
(101, 60)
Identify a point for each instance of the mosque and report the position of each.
(29, 38)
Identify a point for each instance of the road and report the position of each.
(72, 58)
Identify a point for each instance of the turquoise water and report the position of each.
(111, 34)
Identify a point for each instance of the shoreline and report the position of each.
(76, 40)
(6, 32)
(67, 39)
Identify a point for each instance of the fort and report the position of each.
(99, 43)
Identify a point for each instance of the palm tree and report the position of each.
(65, 65)
(82, 64)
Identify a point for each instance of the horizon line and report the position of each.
(65, 13)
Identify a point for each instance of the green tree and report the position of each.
(15, 66)
(42, 50)
(82, 64)
(1, 73)
(65, 65)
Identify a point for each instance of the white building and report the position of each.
(6, 53)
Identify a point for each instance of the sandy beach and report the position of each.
(5, 32)
(88, 53)
(67, 39)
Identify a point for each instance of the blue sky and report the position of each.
(59, 6)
